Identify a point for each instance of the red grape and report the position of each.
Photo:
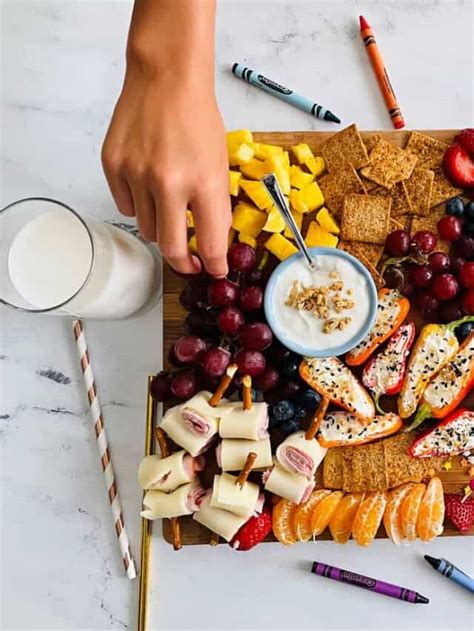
(290, 389)
(449, 228)
(444, 287)
(465, 247)
(172, 359)
(254, 277)
(184, 385)
(215, 361)
(202, 324)
(457, 263)
(421, 275)
(256, 336)
(251, 298)
(425, 241)
(241, 257)
(425, 301)
(393, 277)
(407, 288)
(222, 292)
(231, 320)
(250, 362)
(188, 348)
(439, 262)
(267, 380)
(449, 311)
(466, 275)
(160, 386)
(467, 301)
(398, 243)
(194, 295)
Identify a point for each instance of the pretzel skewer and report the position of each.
(224, 384)
(317, 419)
(214, 541)
(247, 392)
(175, 528)
(247, 468)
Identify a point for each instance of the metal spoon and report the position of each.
(271, 184)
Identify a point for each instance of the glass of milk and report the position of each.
(54, 261)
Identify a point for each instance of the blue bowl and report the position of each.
(307, 351)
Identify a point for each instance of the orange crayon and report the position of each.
(381, 73)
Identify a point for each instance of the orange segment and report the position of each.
(431, 514)
(324, 511)
(392, 518)
(410, 509)
(368, 517)
(283, 522)
(341, 522)
(304, 512)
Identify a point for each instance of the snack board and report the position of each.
(454, 480)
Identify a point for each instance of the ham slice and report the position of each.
(195, 422)
(298, 455)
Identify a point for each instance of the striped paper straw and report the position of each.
(103, 447)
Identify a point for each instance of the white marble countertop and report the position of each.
(62, 65)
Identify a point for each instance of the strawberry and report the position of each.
(466, 139)
(460, 513)
(458, 166)
(253, 531)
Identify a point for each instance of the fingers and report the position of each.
(144, 210)
(111, 163)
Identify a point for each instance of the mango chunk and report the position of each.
(255, 169)
(274, 222)
(248, 220)
(285, 156)
(234, 182)
(302, 152)
(189, 219)
(319, 237)
(312, 196)
(327, 221)
(278, 166)
(298, 217)
(316, 165)
(192, 244)
(299, 178)
(237, 137)
(280, 247)
(240, 154)
(296, 201)
(257, 193)
(244, 238)
(263, 151)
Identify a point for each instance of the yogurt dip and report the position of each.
(306, 331)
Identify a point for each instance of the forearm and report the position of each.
(173, 36)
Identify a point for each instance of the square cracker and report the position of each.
(419, 186)
(345, 146)
(337, 184)
(364, 468)
(401, 467)
(332, 468)
(401, 201)
(359, 251)
(371, 141)
(389, 164)
(442, 189)
(429, 150)
(365, 218)
(430, 222)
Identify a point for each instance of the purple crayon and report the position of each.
(394, 591)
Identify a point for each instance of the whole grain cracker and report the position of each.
(345, 146)
(371, 141)
(364, 468)
(358, 250)
(442, 189)
(401, 467)
(365, 218)
(389, 164)
(429, 150)
(401, 202)
(332, 468)
(337, 184)
(419, 187)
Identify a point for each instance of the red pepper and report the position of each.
(384, 373)
(452, 436)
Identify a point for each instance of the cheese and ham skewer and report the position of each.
(175, 528)
(291, 486)
(246, 420)
(236, 494)
(166, 474)
(184, 500)
(231, 453)
(219, 521)
(296, 454)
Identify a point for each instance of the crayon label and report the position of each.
(273, 85)
(357, 579)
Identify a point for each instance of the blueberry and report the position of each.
(289, 427)
(290, 365)
(283, 410)
(273, 422)
(310, 400)
(463, 330)
(470, 211)
(455, 207)
(468, 228)
(300, 412)
(240, 394)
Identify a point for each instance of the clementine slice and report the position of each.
(324, 511)
(431, 514)
(409, 510)
(392, 518)
(368, 517)
(341, 522)
(304, 512)
(283, 522)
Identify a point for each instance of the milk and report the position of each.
(101, 273)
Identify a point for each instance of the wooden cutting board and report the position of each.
(173, 316)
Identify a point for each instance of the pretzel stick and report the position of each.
(214, 541)
(247, 468)
(165, 452)
(247, 392)
(224, 384)
(317, 419)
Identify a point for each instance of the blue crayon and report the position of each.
(283, 93)
(451, 571)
